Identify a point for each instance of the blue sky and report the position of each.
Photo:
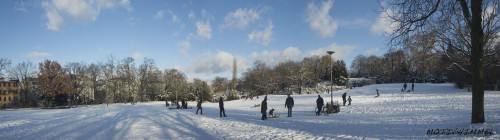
(201, 38)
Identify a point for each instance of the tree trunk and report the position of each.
(477, 36)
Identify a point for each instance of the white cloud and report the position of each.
(275, 57)
(319, 19)
(35, 56)
(204, 31)
(79, 10)
(191, 15)
(291, 53)
(382, 24)
(241, 18)
(341, 51)
(55, 20)
(184, 47)
(159, 14)
(264, 37)
(174, 17)
(137, 56)
(213, 63)
(355, 23)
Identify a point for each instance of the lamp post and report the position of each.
(331, 76)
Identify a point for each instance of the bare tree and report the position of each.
(77, 73)
(220, 84)
(127, 72)
(149, 77)
(4, 63)
(111, 85)
(25, 72)
(201, 89)
(94, 73)
(175, 84)
(470, 27)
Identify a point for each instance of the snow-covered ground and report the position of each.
(391, 116)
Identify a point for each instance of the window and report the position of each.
(9, 98)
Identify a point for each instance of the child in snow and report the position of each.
(271, 114)
(349, 99)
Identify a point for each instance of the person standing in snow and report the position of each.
(289, 104)
(263, 108)
(183, 102)
(199, 107)
(319, 104)
(221, 107)
(343, 97)
(404, 86)
(378, 92)
(412, 87)
(349, 99)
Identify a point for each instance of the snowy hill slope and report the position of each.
(393, 115)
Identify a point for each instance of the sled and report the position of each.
(180, 108)
(256, 105)
(275, 116)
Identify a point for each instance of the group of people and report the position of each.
(263, 107)
(412, 87)
(344, 99)
(289, 103)
(222, 112)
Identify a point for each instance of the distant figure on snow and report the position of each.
(319, 105)
(412, 87)
(378, 92)
(349, 99)
(184, 105)
(263, 108)
(221, 107)
(199, 107)
(343, 97)
(289, 104)
(404, 86)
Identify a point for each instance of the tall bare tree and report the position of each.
(470, 27)
(175, 84)
(4, 63)
(127, 72)
(94, 74)
(77, 73)
(109, 74)
(25, 72)
(149, 77)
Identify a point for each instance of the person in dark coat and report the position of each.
(404, 86)
(263, 108)
(343, 97)
(319, 104)
(199, 107)
(183, 102)
(221, 107)
(412, 87)
(349, 99)
(289, 104)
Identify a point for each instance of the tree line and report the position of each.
(120, 81)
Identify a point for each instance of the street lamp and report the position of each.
(331, 76)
